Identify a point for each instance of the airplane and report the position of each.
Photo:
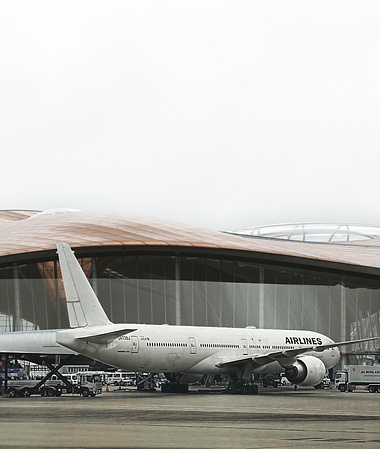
(184, 354)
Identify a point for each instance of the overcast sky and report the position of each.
(218, 114)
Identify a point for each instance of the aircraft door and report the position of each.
(193, 345)
(135, 343)
(245, 346)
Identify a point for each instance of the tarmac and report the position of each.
(124, 418)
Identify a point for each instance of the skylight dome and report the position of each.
(55, 211)
(313, 232)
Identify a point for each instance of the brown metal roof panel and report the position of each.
(91, 229)
(156, 243)
(8, 216)
(369, 242)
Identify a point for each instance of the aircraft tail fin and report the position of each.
(83, 306)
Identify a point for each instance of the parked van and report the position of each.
(120, 378)
(73, 378)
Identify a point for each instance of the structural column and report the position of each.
(343, 321)
(177, 291)
(57, 299)
(94, 276)
(16, 288)
(261, 298)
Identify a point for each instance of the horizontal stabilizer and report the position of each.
(101, 335)
(106, 337)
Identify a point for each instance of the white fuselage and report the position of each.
(196, 350)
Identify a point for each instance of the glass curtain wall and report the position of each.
(199, 291)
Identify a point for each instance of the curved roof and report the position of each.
(30, 232)
(7, 216)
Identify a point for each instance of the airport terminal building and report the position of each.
(315, 277)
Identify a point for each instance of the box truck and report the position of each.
(353, 375)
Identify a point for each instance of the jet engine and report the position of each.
(183, 378)
(306, 371)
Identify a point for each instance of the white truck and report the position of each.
(353, 375)
(89, 384)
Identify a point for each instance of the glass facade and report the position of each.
(199, 291)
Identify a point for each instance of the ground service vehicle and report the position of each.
(120, 378)
(145, 382)
(72, 378)
(88, 385)
(353, 375)
(25, 388)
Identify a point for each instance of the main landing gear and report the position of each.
(235, 385)
(172, 387)
(242, 386)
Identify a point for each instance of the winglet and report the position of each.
(83, 306)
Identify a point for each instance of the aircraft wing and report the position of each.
(264, 359)
(343, 343)
(33, 342)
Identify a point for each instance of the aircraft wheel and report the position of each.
(250, 389)
(244, 389)
(165, 388)
(183, 388)
(233, 388)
